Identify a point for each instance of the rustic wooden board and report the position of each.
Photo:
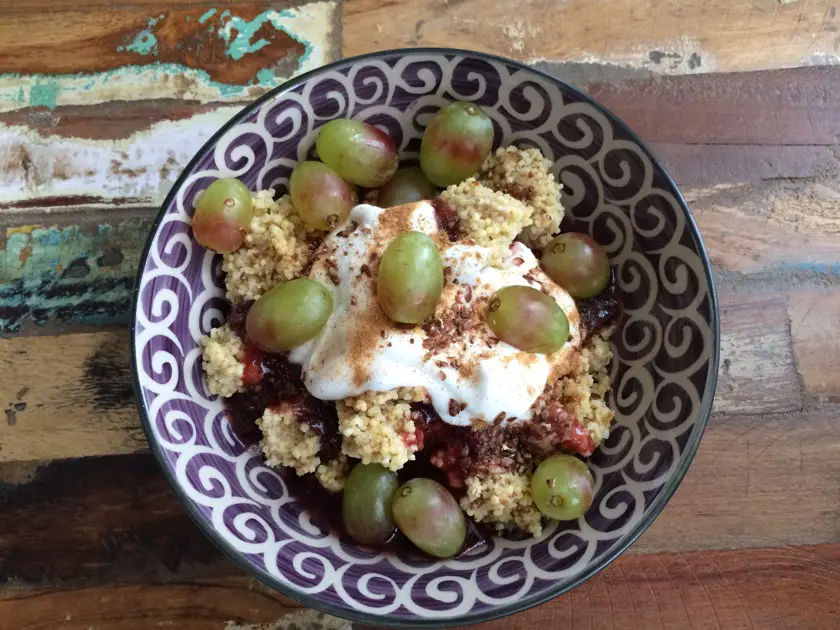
(67, 396)
(124, 537)
(229, 603)
(70, 55)
(93, 380)
(643, 36)
(69, 274)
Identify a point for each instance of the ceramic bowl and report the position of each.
(663, 374)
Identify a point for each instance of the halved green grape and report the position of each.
(359, 152)
(288, 315)
(410, 279)
(406, 186)
(222, 215)
(456, 143)
(322, 199)
(527, 319)
(430, 517)
(578, 264)
(366, 503)
(562, 487)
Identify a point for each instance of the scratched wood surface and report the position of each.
(102, 102)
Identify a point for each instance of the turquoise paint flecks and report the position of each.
(44, 94)
(68, 274)
(206, 16)
(145, 42)
(265, 77)
(239, 46)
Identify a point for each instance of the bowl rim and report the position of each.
(528, 602)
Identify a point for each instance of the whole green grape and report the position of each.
(527, 319)
(406, 186)
(562, 487)
(288, 315)
(578, 264)
(366, 503)
(359, 152)
(222, 215)
(410, 280)
(430, 517)
(456, 143)
(321, 198)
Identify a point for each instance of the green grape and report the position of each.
(406, 186)
(456, 143)
(222, 215)
(578, 264)
(410, 279)
(562, 487)
(359, 152)
(366, 503)
(288, 315)
(527, 319)
(430, 517)
(321, 198)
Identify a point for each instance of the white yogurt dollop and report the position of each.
(468, 373)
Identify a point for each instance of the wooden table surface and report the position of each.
(102, 102)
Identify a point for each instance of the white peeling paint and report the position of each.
(143, 166)
(311, 24)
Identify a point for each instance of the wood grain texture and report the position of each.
(689, 36)
(81, 54)
(770, 589)
(121, 523)
(93, 381)
(815, 326)
(228, 603)
(67, 396)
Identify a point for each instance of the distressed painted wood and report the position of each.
(775, 588)
(93, 381)
(815, 327)
(646, 36)
(121, 523)
(205, 51)
(70, 274)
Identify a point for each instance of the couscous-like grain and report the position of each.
(221, 359)
(583, 392)
(287, 441)
(502, 499)
(376, 427)
(490, 218)
(333, 474)
(275, 249)
(525, 175)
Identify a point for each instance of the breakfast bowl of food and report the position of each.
(424, 338)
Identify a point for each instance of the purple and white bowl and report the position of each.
(663, 374)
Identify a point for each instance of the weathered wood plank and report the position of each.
(758, 368)
(79, 55)
(93, 382)
(111, 520)
(771, 589)
(67, 396)
(815, 326)
(646, 36)
(119, 521)
(757, 480)
(230, 603)
(72, 274)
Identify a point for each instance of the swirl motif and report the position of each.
(665, 352)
